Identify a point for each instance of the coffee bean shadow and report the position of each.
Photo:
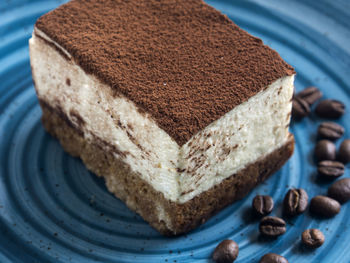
(320, 180)
(317, 218)
(254, 236)
(249, 217)
(290, 220)
(311, 159)
(278, 209)
(301, 249)
(261, 239)
(313, 138)
(257, 238)
(293, 122)
(314, 117)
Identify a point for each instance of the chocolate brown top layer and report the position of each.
(181, 61)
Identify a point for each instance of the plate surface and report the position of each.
(53, 210)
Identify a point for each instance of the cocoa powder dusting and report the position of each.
(181, 61)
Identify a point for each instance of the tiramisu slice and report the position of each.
(180, 110)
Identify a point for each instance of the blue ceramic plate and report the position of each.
(53, 210)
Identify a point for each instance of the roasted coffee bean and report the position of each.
(324, 206)
(272, 226)
(331, 109)
(330, 131)
(300, 108)
(295, 202)
(226, 252)
(325, 150)
(340, 190)
(262, 205)
(273, 258)
(330, 169)
(312, 238)
(310, 95)
(344, 152)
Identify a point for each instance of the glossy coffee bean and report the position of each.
(324, 206)
(272, 226)
(330, 169)
(310, 95)
(295, 202)
(312, 238)
(300, 108)
(330, 130)
(262, 205)
(331, 109)
(344, 152)
(226, 252)
(325, 150)
(340, 190)
(273, 258)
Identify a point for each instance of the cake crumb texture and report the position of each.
(180, 61)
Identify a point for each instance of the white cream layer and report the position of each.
(248, 132)
(112, 119)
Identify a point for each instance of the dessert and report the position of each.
(180, 110)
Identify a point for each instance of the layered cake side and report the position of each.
(180, 110)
